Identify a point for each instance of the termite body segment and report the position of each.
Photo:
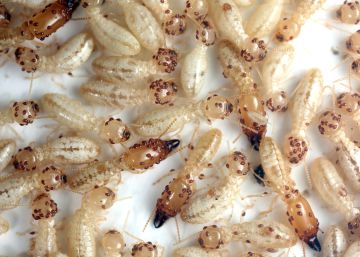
(179, 190)
(335, 242)
(7, 150)
(349, 104)
(22, 112)
(194, 251)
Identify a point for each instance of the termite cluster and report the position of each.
(153, 57)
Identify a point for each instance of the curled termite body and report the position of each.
(81, 232)
(304, 106)
(64, 150)
(289, 28)
(22, 112)
(69, 57)
(7, 150)
(335, 242)
(137, 159)
(349, 12)
(73, 114)
(122, 95)
(211, 205)
(178, 192)
(349, 104)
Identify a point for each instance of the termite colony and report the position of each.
(147, 67)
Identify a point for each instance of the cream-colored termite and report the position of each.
(110, 35)
(349, 104)
(305, 103)
(160, 8)
(7, 150)
(211, 205)
(122, 95)
(69, 57)
(349, 12)
(129, 70)
(74, 115)
(23, 113)
(289, 28)
(353, 250)
(64, 150)
(334, 243)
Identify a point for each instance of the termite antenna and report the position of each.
(177, 229)
(152, 214)
(133, 236)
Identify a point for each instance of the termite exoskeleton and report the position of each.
(122, 95)
(335, 242)
(178, 192)
(275, 67)
(113, 244)
(65, 150)
(7, 150)
(349, 12)
(349, 103)
(74, 115)
(209, 206)
(23, 113)
(82, 226)
(130, 70)
(70, 56)
(137, 159)
(5, 16)
(289, 28)
(299, 211)
(306, 101)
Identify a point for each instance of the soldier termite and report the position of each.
(349, 12)
(122, 95)
(7, 150)
(130, 70)
(306, 100)
(65, 150)
(22, 112)
(74, 115)
(194, 251)
(334, 243)
(70, 56)
(81, 232)
(137, 159)
(299, 211)
(211, 205)
(349, 104)
(178, 192)
(289, 28)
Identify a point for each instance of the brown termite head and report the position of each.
(278, 102)
(295, 148)
(353, 43)
(52, 178)
(43, 207)
(89, 3)
(329, 123)
(355, 67)
(175, 24)
(237, 163)
(163, 91)
(100, 198)
(5, 16)
(27, 58)
(349, 12)
(211, 237)
(348, 102)
(25, 112)
(145, 249)
(113, 243)
(253, 50)
(205, 33)
(197, 9)
(115, 131)
(287, 30)
(217, 107)
(166, 59)
(25, 159)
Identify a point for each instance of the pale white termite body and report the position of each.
(304, 106)
(334, 243)
(353, 250)
(194, 251)
(7, 150)
(159, 8)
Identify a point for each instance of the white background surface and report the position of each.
(313, 49)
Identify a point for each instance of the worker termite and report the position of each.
(173, 118)
(289, 28)
(70, 56)
(137, 159)
(23, 113)
(275, 67)
(349, 103)
(82, 225)
(65, 150)
(146, 249)
(209, 206)
(334, 243)
(7, 150)
(113, 244)
(306, 100)
(98, 91)
(74, 115)
(130, 70)
(349, 12)
(299, 212)
(178, 192)
(5, 16)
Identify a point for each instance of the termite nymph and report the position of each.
(349, 12)
(23, 113)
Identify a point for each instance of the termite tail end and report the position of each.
(314, 244)
(160, 219)
(259, 175)
(172, 144)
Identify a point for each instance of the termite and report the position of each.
(83, 224)
(349, 12)
(22, 112)
(137, 159)
(122, 95)
(70, 56)
(304, 106)
(203, 208)
(353, 250)
(74, 115)
(178, 192)
(299, 211)
(130, 70)
(244, 2)
(173, 118)
(335, 242)
(275, 67)
(7, 150)
(197, 9)
(65, 150)
(5, 16)
(289, 28)
(113, 244)
(349, 103)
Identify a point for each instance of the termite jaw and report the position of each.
(172, 144)
(259, 175)
(160, 219)
(314, 244)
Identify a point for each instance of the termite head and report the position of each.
(52, 178)
(89, 3)
(175, 24)
(354, 225)
(253, 50)
(329, 123)
(278, 102)
(205, 33)
(163, 91)
(296, 148)
(25, 159)
(115, 131)
(237, 163)
(217, 107)
(353, 43)
(27, 58)
(287, 30)
(5, 16)
(166, 59)
(211, 237)
(145, 249)
(43, 207)
(197, 10)
(349, 12)
(348, 103)
(100, 198)
(355, 67)
(25, 112)
(113, 243)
